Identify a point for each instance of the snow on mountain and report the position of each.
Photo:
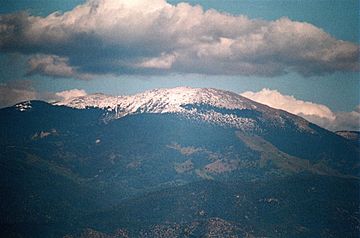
(174, 100)
(160, 100)
(23, 106)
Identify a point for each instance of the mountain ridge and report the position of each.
(187, 101)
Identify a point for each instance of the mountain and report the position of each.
(179, 162)
(212, 105)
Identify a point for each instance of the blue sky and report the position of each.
(338, 90)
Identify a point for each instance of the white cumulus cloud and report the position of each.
(313, 112)
(68, 94)
(122, 37)
(275, 99)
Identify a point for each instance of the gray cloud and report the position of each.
(124, 37)
(53, 65)
(50, 65)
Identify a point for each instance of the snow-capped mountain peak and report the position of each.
(182, 100)
(161, 100)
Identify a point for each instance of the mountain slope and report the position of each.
(92, 153)
(227, 109)
(296, 206)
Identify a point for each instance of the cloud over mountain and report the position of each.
(125, 37)
(313, 112)
(72, 93)
(22, 90)
(16, 92)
